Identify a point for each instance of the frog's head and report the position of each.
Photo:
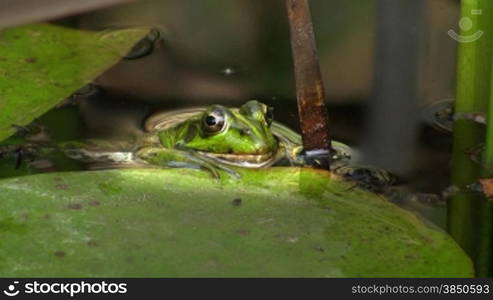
(236, 136)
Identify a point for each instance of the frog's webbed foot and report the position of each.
(208, 165)
(233, 173)
(211, 164)
(192, 165)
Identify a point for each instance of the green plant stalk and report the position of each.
(488, 149)
(484, 264)
(474, 73)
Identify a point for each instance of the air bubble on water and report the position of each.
(229, 71)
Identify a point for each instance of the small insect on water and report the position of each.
(368, 178)
(439, 115)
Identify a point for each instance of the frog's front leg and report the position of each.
(173, 158)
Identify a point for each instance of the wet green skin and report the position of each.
(247, 137)
(245, 132)
(244, 139)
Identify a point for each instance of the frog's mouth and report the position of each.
(243, 160)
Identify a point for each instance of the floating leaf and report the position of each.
(41, 65)
(177, 222)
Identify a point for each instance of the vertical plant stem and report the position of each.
(467, 212)
(484, 261)
(488, 149)
(309, 85)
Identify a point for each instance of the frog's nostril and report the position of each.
(246, 131)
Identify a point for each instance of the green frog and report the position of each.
(210, 138)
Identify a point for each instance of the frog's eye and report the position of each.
(213, 121)
(269, 115)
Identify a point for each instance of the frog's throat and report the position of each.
(243, 160)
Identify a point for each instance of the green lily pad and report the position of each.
(177, 222)
(41, 65)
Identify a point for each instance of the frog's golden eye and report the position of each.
(269, 115)
(213, 121)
